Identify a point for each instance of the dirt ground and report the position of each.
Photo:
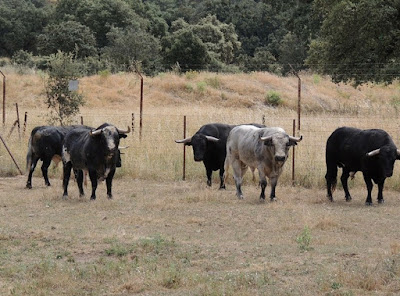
(299, 245)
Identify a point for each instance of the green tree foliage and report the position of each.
(62, 102)
(359, 41)
(185, 48)
(131, 44)
(71, 36)
(20, 21)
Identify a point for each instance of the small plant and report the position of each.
(201, 86)
(118, 250)
(273, 98)
(172, 277)
(191, 74)
(214, 82)
(104, 74)
(304, 239)
(316, 78)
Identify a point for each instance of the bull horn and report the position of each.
(124, 132)
(123, 147)
(398, 152)
(184, 141)
(212, 139)
(265, 138)
(295, 139)
(95, 132)
(374, 152)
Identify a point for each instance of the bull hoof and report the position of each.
(348, 198)
(273, 199)
(29, 186)
(209, 183)
(109, 196)
(381, 201)
(93, 198)
(368, 203)
(240, 197)
(65, 196)
(222, 187)
(48, 184)
(330, 198)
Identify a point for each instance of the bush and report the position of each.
(273, 98)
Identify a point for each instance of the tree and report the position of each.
(62, 102)
(20, 21)
(187, 49)
(359, 42)
(68, 36)
(132, 44)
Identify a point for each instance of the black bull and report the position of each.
(370, 151)
(209, 146)
(94, 150)
(45, 143)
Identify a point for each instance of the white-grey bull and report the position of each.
(263, 148)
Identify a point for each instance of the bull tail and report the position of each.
(331, 179)
(29, 155)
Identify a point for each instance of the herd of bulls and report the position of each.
(219, 146)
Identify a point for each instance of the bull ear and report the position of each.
(373, 152)
(212, 139)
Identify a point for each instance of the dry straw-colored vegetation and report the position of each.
(164, 236)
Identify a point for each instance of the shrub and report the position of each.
(273, 98)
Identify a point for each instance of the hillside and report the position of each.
(236, 91)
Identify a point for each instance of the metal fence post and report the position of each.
(184, 149)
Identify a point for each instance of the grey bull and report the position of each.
(263, 148)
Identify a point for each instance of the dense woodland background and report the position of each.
(352, 41)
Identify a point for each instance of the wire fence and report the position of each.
(157, 156)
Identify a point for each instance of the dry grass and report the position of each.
(182, 238)
(164, 236)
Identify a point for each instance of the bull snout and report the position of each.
(197, 158)
(389, 174)
(280, 158)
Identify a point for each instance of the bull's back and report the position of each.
(242, 140)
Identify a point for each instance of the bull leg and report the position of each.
(263, 184)
(45, 166)
(79, 181)
(237, 167)
(369, 184)
(209, 175)
(109, 183)
(93, 180)
(380, 192)
(274, 182)
(221, 177)
(344, 178)
(67, 174)
(31, 169)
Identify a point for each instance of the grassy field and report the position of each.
(164, 236)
